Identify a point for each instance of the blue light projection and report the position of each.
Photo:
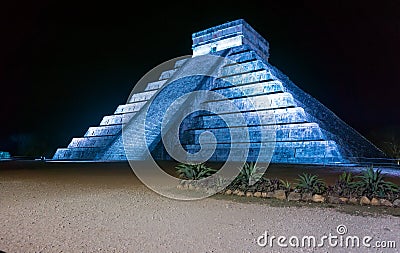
(4, 155)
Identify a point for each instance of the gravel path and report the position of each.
(118, 214)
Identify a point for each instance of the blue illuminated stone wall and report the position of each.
(306, 131)
(4, 155)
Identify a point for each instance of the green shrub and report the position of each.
(308, 183)
(285, 185)
(345, 178)
(372, 184)
(250, 178)
(194, 171)
(264, 185)
(270, 185)
(249, 174)
(273, 184)
(219, 183)
(343, 186)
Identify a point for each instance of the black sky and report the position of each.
(63, 66)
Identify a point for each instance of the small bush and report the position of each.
(249, 174)
(273, 184)
(372, 184)
(250, 178)
(308, 183)
(194, 171)
(285, 185)
(269, 185)
(343, 186)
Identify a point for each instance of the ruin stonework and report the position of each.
(4, 155)
(306, 131)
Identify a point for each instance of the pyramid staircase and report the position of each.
(306, 131)
(98, 139)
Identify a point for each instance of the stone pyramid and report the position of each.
(305, 131)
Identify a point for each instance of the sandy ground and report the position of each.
(106, 210)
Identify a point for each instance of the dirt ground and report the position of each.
(78, 207)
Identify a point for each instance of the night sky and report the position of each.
(64, 66)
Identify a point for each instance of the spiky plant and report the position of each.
(194, 171)
(372, 184)
(307, 183)
(249, 174)
(285, 185)
(220, 183)
(343, 186)
(346, 177)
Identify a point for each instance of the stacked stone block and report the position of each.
(306, 131)
(98, 139)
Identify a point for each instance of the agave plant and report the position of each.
(194, 171)
(308, 183)
(346, 177)
(220, 183)
(344, 185)
(285, 185)
(372, 184)
(249, 174)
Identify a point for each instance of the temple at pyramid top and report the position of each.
(232, 34)
(305, 131)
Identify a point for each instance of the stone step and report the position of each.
(261, 102)
(247, 78)
(167, 74)
(241, 68)
(87, 142)
(127, 108)
(179, 63)
(76, 153)
(155, 85)
(251, 89)
(116, 119)
(103, 130)
(141, 96)
(243, 55)
(62, 154)
(290, 132)
(300, 149)
(281, 116)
